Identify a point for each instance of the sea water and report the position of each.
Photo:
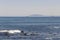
(47, 27)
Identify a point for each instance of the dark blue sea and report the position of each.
(47, 27)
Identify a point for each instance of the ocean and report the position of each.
(47, 27)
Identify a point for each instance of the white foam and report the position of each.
(14, 31)
(48, 38)
(11, 31)
(3, 30)
(56, 27)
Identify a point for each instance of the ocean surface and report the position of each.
(47, 27)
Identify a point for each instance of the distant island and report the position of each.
(38, 15)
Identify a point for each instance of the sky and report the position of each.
(29, 7)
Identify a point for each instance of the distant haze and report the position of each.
(29, 7)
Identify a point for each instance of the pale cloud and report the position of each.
(29, 7)
(51, 11)
(24, 11)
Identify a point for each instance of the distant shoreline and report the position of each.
(25, 16)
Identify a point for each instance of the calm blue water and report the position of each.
(32, 24)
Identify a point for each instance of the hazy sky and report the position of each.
(28, 7)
